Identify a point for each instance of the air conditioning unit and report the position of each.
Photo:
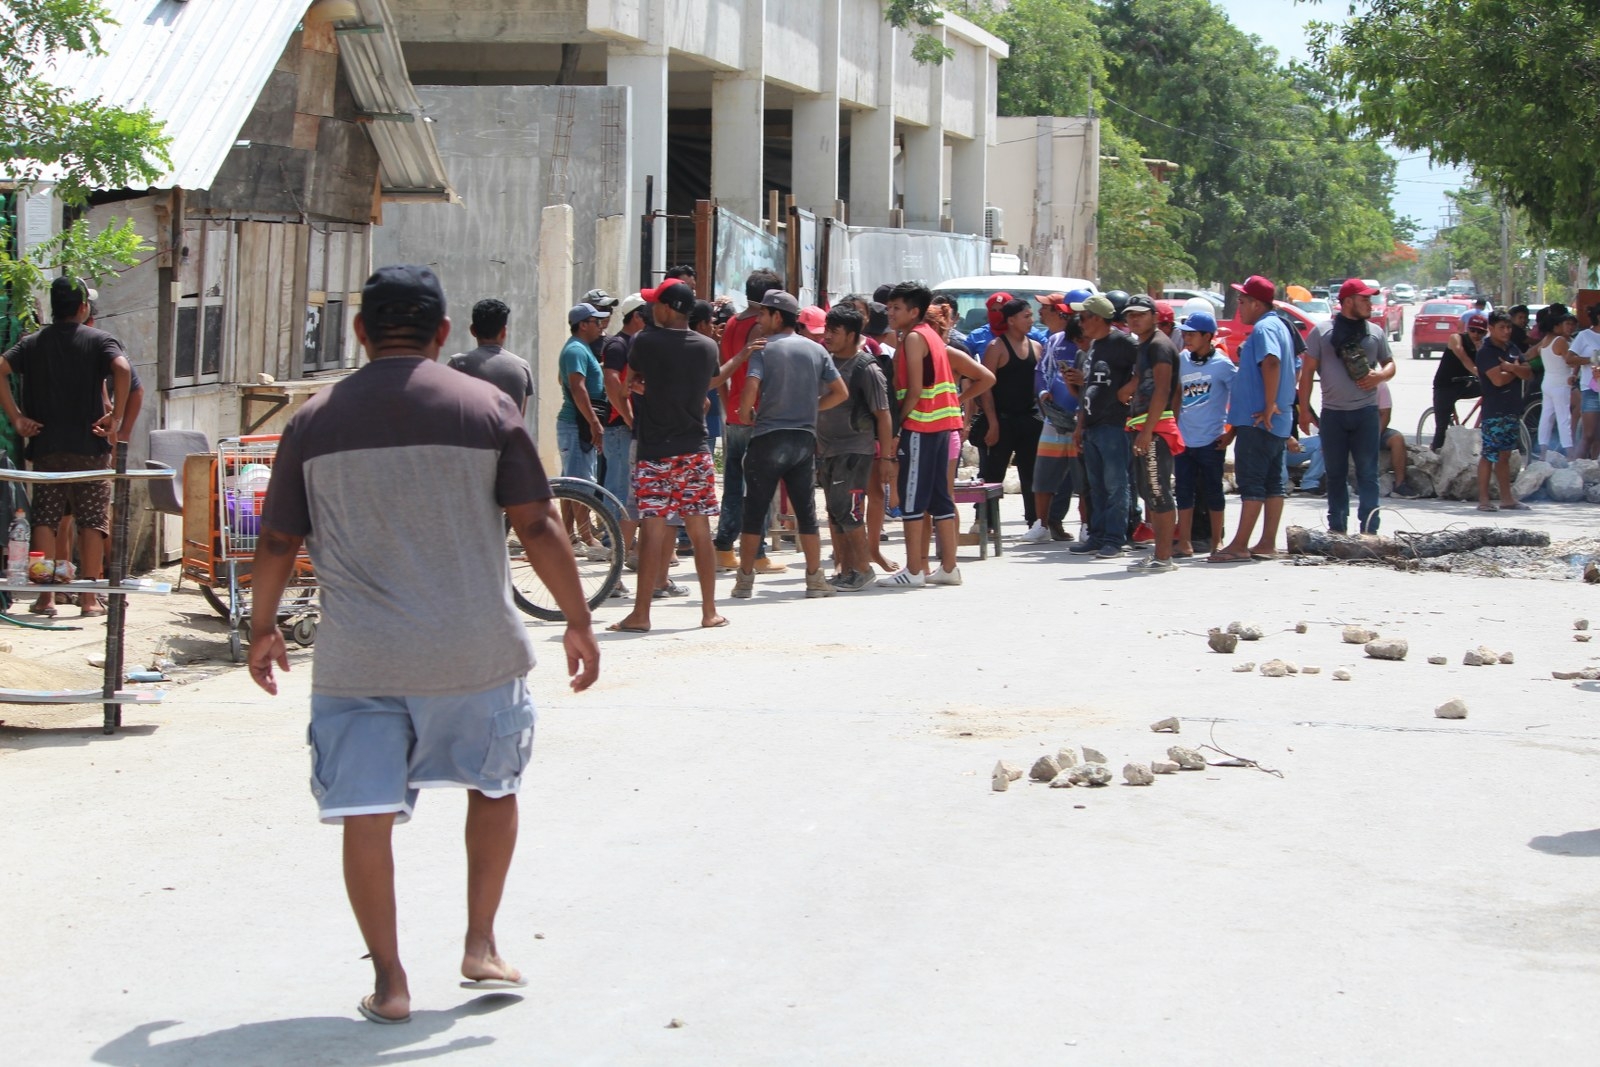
(994, 223)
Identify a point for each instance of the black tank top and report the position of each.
(1013, 383)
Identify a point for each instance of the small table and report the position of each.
(988, 495)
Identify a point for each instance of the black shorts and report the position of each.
(1155, 476)
(924, 476)
(844, 487)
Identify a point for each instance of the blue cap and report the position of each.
(1199, 322)
(1076, 296)
(585, 312)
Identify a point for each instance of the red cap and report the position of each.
(1055, 300)
(1258, 288)
(813, 318)
(672, 294)
(1356, 287)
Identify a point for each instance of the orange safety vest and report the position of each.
(939, 406)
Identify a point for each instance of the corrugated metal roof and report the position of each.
(376, 70)
(199, 66)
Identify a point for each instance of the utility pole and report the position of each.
(1542, 255)
(1507, 296)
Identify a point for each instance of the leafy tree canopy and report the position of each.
(81, 145)
(1511, 90)
(1272, 177)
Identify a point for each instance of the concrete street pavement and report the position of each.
(783, 835)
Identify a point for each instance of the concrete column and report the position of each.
(924, 176)
(969, 159)
(555, 261)
(872, 145)
(924, 162)
(642, 67)
(738, 122)
(816, 126)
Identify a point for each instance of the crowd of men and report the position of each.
(1104, 398)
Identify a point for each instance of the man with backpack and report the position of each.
(850, 439)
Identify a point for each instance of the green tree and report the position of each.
(80, 144)
(77, 144)
(1272, 177)
(1137, 223)
(925, 47)
(1509, 89)
(1055, 63)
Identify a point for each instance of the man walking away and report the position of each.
(490, 361)
(1351, 355)
(63, 419)
(1261, 411)
(737, 336)
(929, 400)
(785, 375)
(674, 477)
(405, 691)
(1207, 376)
(1154, 395)
(1103, 440)
(846, 436)
(1502, 370)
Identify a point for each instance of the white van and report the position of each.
(972, 294)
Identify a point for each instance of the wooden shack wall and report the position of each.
(304, 152)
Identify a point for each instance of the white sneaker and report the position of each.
(903, 579)
(596, 553)
(940, 576)
(1035, 534)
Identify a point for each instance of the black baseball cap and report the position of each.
(671, 294)
(1139, 302)
(778, 300)
(405, 295)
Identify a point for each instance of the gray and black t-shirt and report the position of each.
(396, 478)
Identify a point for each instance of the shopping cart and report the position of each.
(221, 564)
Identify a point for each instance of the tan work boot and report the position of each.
(817, 585)
(726, 560)
(768, 565)
(744, 585)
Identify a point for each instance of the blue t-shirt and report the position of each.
(1059, 354)
(578, 358)
(1206, 389)
(1269, 338)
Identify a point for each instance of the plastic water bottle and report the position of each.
(17, 550)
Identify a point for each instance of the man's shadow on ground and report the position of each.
(1571, 843)
(349, 1042)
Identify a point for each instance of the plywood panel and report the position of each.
(346, 167)
(272, 120)
(318, 73)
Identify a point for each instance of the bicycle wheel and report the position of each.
(1425, 428)
(598, 577)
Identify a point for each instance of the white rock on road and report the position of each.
(1137, 774)
(1454, 708)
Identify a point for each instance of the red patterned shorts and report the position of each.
(677, 485)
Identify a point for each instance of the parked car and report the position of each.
(1403, 293)
(1180, 295)
(1390, 315)
(1316, 309)
(1231, 333)
(1435, 321)
(971, 293)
